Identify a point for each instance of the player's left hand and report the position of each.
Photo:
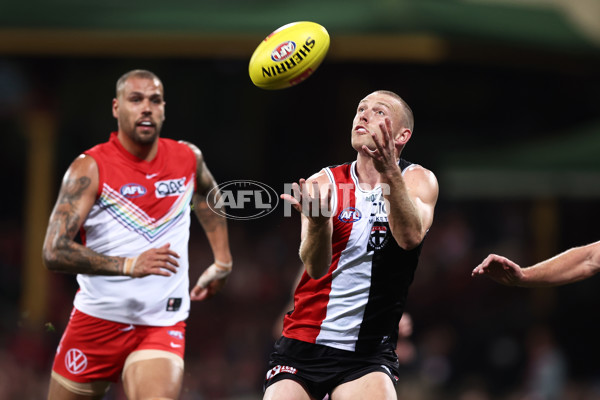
(384, 156)
(210, 282)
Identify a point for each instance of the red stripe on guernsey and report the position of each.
(312, 295)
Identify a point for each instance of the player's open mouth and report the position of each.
(145, 124)
(361, 129)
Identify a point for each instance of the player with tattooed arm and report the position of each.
(130, 200)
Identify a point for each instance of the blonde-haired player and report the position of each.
(363, 225)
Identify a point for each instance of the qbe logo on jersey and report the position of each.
(171, 187)
(242, 199)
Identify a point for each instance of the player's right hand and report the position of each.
(159, 261)
(310, 201)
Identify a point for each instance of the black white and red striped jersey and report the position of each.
(358, 304)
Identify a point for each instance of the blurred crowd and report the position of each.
(462, 338)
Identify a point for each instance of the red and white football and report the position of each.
(289, 55)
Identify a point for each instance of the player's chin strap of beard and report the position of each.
(217, 270)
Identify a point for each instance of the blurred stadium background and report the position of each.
(505, 95)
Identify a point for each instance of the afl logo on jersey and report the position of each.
(132, 190)
(349, 215)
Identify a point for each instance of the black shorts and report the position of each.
(320, 369)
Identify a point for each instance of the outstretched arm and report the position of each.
(62, 254)
(215, 227)
(312, 198)
(573, 265)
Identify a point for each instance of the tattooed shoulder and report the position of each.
(73, 189)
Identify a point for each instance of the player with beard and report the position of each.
(129, 199)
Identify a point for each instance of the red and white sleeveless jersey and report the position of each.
(140, 205)
(358, 304)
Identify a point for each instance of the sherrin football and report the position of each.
(289, 55)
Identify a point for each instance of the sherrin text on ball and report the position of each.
(289, 55)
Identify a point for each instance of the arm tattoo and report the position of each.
(73, 189)
(210, 220)
(66, 213)
(69, 256)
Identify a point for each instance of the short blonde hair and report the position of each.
(409, 118)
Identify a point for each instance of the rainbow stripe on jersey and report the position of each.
(135, 219)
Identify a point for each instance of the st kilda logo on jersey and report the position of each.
(380, 232)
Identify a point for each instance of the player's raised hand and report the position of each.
(384, 155)
(310, 199)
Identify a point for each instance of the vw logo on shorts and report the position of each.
(243, 199)
(75, 361)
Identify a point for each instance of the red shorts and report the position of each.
(94, 349)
